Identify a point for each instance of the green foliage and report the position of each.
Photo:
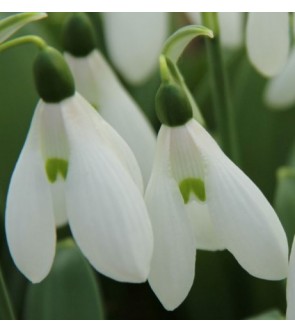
(11, 24)
(272, 314)
(285, 199)
(69, 292)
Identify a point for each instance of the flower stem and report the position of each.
(39, 42)
(5, 302)
(291, 25)
(225, 116)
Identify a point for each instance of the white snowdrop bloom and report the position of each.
(231, 28)
(199, 199)
(291, 286)
(267, 40)
(75, 167)
(97, 82)
(134, 41)
(279, 92)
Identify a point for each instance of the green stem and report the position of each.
(291, 25)
(23, 40)
(225, 116)
(5, 303)
(164, 71)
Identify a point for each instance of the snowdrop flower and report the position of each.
(279, 92)
(134, 41)
(267, 40)
(198, 199)
(96, 81)
(231, 28)
(279, 89)
(75, 167)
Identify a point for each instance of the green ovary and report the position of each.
(54, 166)
(192, 185)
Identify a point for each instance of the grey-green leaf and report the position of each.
(272, 314)
(69, 292)
(285, 199)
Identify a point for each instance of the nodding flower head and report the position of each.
(199, 199)
(75, 168)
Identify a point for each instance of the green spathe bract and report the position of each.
(176, 43)
(55, 166)
(190, 186)
(11, 24)
(53, 78)
(79, 35)
(172, 106)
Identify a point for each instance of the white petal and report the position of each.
(267, 39)
(246, 222)
(59, 201)
(115, 142)
(98, 84)
(186, 162)
(55, 146)
(204, 231)
(231, 29)
(107, 214)
(280, 90)
(30, 226)
(173, 263)
(134, 41)
(291, 286)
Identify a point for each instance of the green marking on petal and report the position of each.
(94, 105)
(192, 185)
(55, 166)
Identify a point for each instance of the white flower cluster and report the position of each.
(138, 207)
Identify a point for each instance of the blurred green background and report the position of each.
(222, 289)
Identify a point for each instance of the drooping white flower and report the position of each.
(291, 286)
(231, 28)
(267, 40)
(75, 167)
(134, 41)
(198, 199)
(97, 82)
(279, 89)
